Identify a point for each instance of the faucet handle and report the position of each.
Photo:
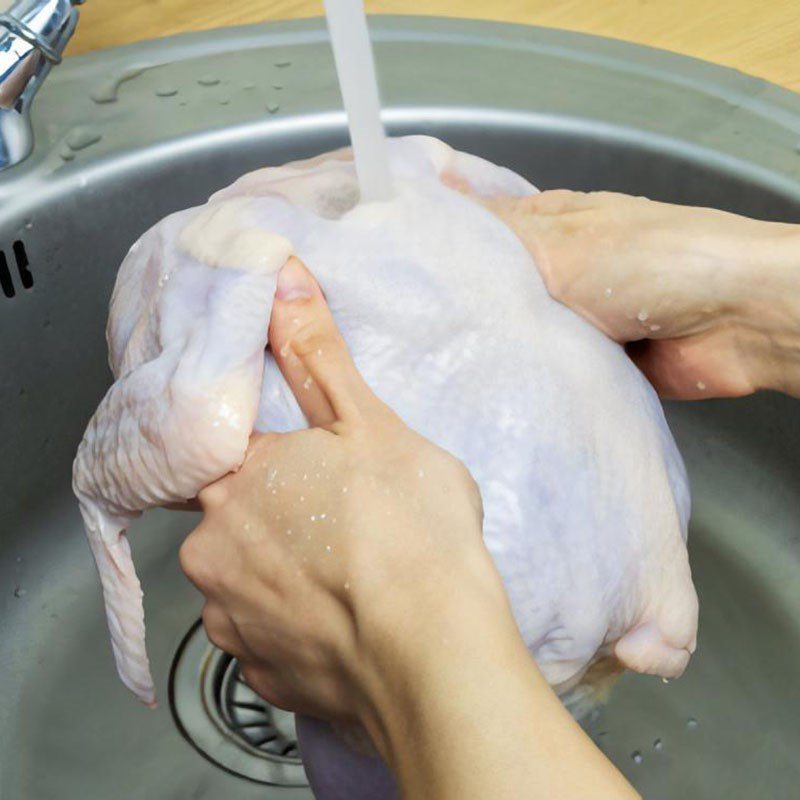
(47, 25)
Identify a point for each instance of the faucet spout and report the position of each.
(33, 35)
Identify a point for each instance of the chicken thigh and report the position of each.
(585, 495)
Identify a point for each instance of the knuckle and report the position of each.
(313, 338)
(217, 631)
(198, 565)
(189, 557)
(263, 684)
(464, 481)
(554, 282)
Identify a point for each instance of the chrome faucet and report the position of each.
(33, 35)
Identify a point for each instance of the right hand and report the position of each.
(336, 554)
(710, 299)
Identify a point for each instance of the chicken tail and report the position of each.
(123, 598)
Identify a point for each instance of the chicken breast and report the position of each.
(585, 495)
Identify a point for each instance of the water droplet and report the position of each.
(302, 499)
(665, 681)
(658, 745)
(208, 80)
(28, 224)
(643, 315)
(655, 328)
(307, 382)
(637, 757)
(183, 103)
(19, 559)
(248, 86)
(277, 86)
(272, 107)
(82, 137)
(347, 586)
(344, 490)
(108, 90)
(313, 517)
(19, 591)
(166, 91)
(67, 155)
(609, 291)
(692, 723)
(328, 548)
(322, 516)
(288, 531)
(224, 101)
(701, 385)
(282, 64)
(421, 473)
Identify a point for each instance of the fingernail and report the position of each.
(294, 282)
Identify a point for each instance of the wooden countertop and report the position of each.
(762, 38)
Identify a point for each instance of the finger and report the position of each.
(222, 632)
(692, 368)
(311, 353)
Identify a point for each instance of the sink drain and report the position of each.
(226, 721)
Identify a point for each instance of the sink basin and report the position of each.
(167, 123)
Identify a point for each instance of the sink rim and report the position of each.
(749, 107)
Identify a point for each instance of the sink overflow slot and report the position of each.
(25, 275)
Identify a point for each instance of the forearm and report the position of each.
(465, 713)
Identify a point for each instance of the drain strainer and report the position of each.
(226, 721)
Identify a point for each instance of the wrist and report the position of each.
(769, 311)
(422, 651)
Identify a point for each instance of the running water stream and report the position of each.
(355, 66)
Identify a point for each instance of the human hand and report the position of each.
(709, 298)
(333, 546)
(344, 567)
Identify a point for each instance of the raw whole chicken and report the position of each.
(585, 495)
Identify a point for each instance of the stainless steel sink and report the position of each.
(179, 118)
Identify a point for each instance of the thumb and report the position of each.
(311, 353)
